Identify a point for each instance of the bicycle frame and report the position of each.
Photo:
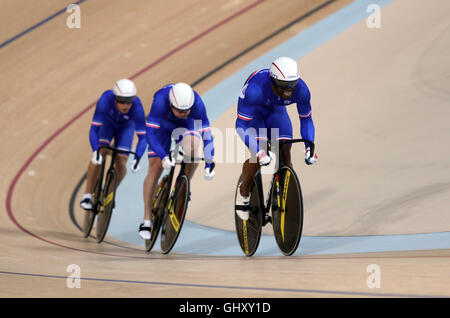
(177, 149)
(265, 207)
(101, 189)
(114, 154)
(175, 218)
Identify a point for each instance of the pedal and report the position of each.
(267, 219)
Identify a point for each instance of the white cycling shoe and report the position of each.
(145, 231)
(242, 202)
(86, 202)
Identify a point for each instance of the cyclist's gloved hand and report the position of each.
(135, 167)
(167, 163)
(209, 170)
(309, 160)
(96, 158)
(263, 158)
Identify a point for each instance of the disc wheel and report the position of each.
(89, 216)
(249, 231)
(175, 214)
(287, 210)
(106, 205)
(159, 204)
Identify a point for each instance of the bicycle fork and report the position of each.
(281, 200)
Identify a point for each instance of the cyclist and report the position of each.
(178, 113)
(262, 116)
(118, 114)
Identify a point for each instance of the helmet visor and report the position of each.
(284, 84)
(124, 100)
(182, 111)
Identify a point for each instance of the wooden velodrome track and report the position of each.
(380, 105)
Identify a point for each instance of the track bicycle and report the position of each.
(284, 199)
(103, 197)
(169, 207)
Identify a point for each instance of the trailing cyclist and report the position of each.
(118, 114)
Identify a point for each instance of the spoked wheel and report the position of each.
(287, 210)
(249, 231)
(106, 205)
(89, 216)
(159, 204)
(174, 214)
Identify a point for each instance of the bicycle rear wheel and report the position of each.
(174, 214)
(249, 231)
(159, 204)
(106, 206)
(89, 216)
(287, 210)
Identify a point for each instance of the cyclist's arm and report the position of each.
(140, 128)
(307, 129)
(205, 132)
(153, 124)
(97, 122)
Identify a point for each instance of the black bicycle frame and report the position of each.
(265, 206)
(115, 152)
(183, 163)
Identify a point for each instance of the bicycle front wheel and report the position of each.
(174, 214)
(287, 210)
(106, 206)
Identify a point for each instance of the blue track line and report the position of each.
(283, 290)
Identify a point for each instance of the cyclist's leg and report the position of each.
(279, 127)
(121, 167)
(91, 175)
(93, 171)
(286, 154)
(250, 133)
(124, 141)
(249, 169)
(190, 143)
(154, 172)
